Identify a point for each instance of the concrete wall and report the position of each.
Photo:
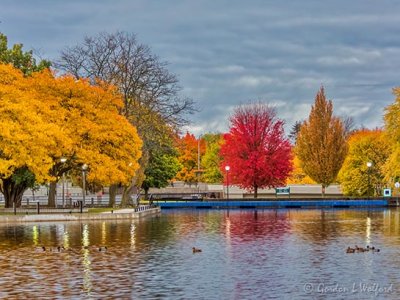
(79, 217)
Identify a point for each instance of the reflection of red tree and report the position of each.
(249, 224)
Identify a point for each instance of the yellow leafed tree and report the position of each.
(321, 145)
(63, 118)
(392, 129)
(356, 178)
(298, 176)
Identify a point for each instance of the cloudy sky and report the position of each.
(228, 52)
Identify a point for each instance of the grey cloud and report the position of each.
(229, 52)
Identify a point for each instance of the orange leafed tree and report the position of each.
(188, 158)
(25, 136)
(62, 118)
(321, 145)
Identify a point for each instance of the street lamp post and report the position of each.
(198, 153)
(84, 168)
(198, 173)
(227, 168)
(63, 160)
(369, 165)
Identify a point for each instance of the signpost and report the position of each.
(282, 191)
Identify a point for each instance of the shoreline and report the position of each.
(116, 215)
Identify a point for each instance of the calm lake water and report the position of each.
(246, 254)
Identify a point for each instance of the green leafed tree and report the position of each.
(356, 178)
(321, 143)
(161, 169)
(20, 59)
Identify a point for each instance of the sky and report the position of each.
(229, 52)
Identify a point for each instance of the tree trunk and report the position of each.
(255, 192)
(12, 193)
(146, 193)
(52, 194)
(113, 193)
(323, 191)
(127, 199)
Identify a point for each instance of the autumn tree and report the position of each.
(355, 176)
(256, 149)
(45, 118)
(150, 92)
(321, 144)
(188, 157)
(25, 62)
(25, 137)
(392, 129)
(211, 160)
(297, 176)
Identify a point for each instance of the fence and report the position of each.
(70, 202)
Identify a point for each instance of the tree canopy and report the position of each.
(321, 143)
(45, 118)
(23, 60)
(150, 93)
(211, 160)
(356, 177)
(188, 158)
(256, 149)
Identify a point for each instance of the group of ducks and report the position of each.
(357, 249)
(63, 249)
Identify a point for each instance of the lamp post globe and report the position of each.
(227, 168)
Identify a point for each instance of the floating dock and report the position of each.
(273, 204)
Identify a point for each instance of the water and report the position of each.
(246, 254)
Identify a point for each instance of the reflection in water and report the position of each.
(35, 235)
(247, 254)
(368, 232)
(103, 233)
(133, 242)
(87, 283)
(65, 238)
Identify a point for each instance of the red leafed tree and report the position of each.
(258, 153)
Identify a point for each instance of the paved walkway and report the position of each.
(121, 211)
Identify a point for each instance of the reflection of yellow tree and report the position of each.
(391, 223)
(320, 226)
